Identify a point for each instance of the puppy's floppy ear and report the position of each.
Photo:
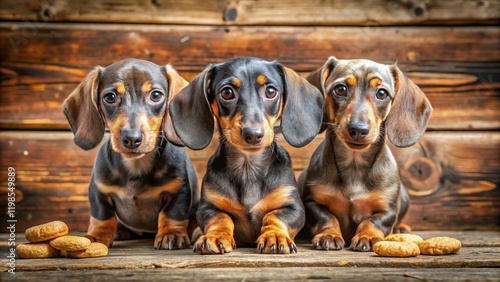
(302, 113)
(175, 84)
(191, 114)
(318, 78)
(409, 113)
(82, 111)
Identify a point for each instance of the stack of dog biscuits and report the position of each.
(51, 239)
(411, 245)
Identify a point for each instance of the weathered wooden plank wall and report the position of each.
(449, 48)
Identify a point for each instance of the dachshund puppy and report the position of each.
(351, 190)
(139, 178)
(249, 193)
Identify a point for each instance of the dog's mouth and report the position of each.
(133, 155)
(247, 148)
(252, 149)
(356, 145)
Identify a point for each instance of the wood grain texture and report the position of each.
(457, 67)
(252, 12)
(272, 274)
(404, 274)
(452, 178)
(445, 172)
(139, 254)
(135, 260)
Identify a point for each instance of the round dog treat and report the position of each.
(36, 250)
(70, 243)
(403, 237)
(95, 249)
(47, 231)
(396, 249)
(440, 246)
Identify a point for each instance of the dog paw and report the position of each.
(365, 242)
(218, 243)
(328, 241)
(172, 241)
(275, 242)
(104, 239)
(402, 228)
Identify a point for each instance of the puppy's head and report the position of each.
(364, 97)
(247, 96)
(130, 97)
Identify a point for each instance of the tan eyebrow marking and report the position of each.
(120, 88)
(237, 82)
(261, 79)
(374, 82)
(351, 80)
(146, 87)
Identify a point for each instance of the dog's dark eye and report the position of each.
(271, 92)
(156, 96)
(227, 93)
(382, 94)
(110, 98)
(340, 90)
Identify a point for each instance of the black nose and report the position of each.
(131, 139)
(252, 135)
(358, 130)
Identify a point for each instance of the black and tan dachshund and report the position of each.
(139, 178)
(249, 193)
(351, 190)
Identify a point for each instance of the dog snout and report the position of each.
(358, 131)
(131, 139)
(252, 135)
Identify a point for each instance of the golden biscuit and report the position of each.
(95, 250)
(396, 249)
(440, 246)
(36, 250)
(47, 231)
(404, 238)
(70, 243)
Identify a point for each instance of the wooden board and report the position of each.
(405, 274)
(457, 67)
(251, 12)
(135, 260)
(452, 177)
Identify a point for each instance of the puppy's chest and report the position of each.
(136, 191)
(351, 204)
(250, 194)
(137, 204)
(248, 170)
(248, 177)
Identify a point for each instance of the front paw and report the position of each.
(402, 228)
(104, 239)
(172, 241)
(214, 243)
(364, 241)
(328, 241)
(275, 242)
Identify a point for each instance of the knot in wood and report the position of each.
(230, 14)
(421, 176)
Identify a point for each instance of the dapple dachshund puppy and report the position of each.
(139, 178)
(249, 193)
(351, 190)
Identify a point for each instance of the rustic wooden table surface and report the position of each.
(478, 260)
